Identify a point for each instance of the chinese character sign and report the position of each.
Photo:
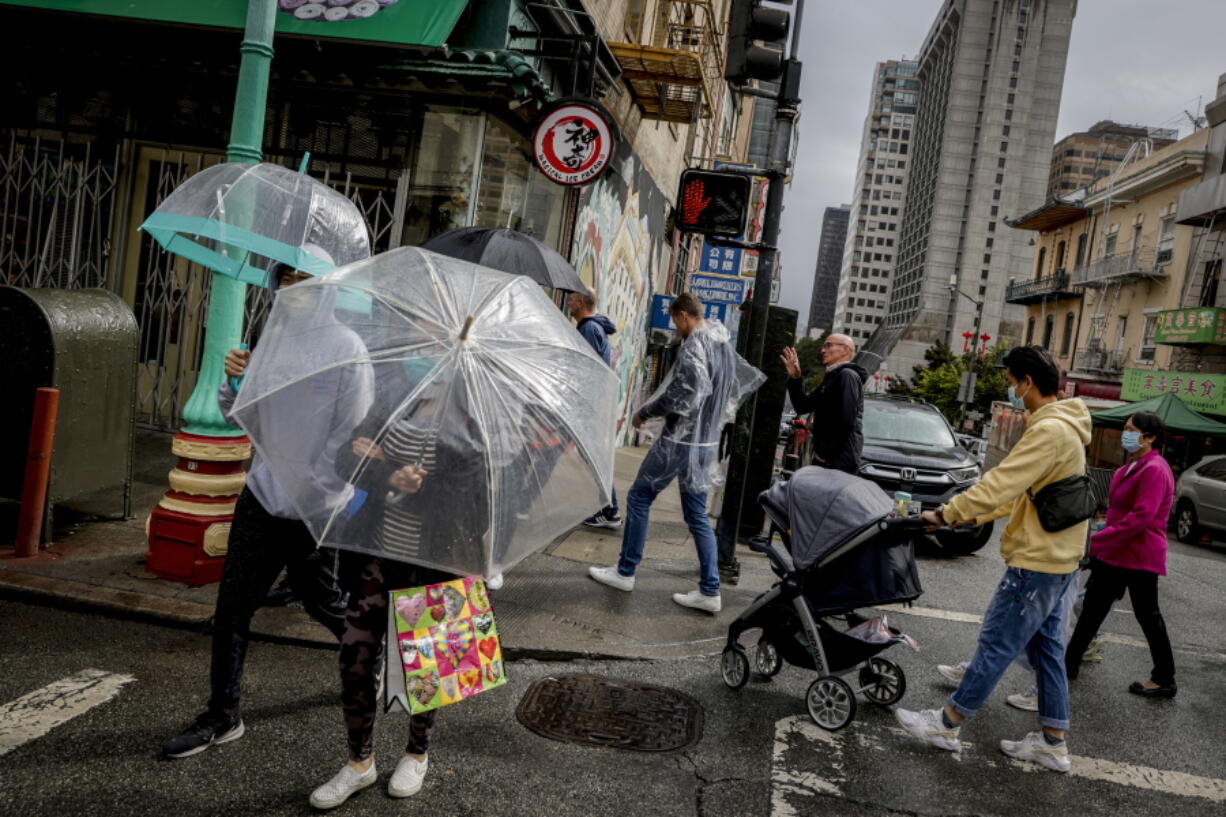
(720, 260)
(1205, 393)
(1191, 326)
(662, 319)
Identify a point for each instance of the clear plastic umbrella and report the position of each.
(492, 429)
(242, 219)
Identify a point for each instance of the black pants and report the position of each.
(1106, 585)
(261, 545)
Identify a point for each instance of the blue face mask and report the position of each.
(1131, 441)
(1015, 401)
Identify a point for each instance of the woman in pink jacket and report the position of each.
(1130, 553)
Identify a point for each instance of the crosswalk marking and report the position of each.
(37, 713)
(793, 732)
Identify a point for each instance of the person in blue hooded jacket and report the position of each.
(596, 330)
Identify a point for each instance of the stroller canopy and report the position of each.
(824, 507)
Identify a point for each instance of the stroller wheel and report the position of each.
(832, 704)
(734, 666)
(766, 659)
(883, 681)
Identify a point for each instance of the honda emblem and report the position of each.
(907, 474)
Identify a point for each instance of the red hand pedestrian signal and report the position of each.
(713, 202)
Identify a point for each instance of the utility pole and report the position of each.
(968, 385)
(779, 167)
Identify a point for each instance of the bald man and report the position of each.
(837, 404)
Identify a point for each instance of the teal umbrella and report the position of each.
(243, 220)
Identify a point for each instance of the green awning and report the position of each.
(406, 22)
(1176, 415)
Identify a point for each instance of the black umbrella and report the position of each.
(509, 251)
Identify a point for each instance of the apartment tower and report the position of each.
(992, 72)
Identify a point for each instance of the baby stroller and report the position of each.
(838, 550)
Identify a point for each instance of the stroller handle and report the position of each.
(906, 522)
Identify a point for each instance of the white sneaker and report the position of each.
(697, 600)
(929, 727)
(1034, 747)
(494, 582)
(610, 576)
(953, 672)
(340, 788)
(1027, 701)
(407, 779)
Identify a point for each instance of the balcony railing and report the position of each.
(674, 78)
(1107, 361)
(1137, 263)
(1050, 288)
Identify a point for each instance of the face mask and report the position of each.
(1015, 401)
(1131, 441)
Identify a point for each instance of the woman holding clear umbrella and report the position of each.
(417, 463)
(1130, 553)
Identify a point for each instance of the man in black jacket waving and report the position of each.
(837, 404)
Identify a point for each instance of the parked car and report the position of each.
(1200, 500)
(978, 446)
(909, 446)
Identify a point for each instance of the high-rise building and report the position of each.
(992, 73)
(829, 262)
(1081, 158)
(881, 178)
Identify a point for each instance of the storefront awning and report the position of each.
(1176, 415)
(414, 23)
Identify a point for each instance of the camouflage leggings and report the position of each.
(365, 628)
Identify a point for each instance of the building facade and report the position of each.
(1080, 159)
(829, 263)
(881, 181)
(1110, 268)
(425, 130)
(992, 74)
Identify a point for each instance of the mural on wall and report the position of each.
(619, 250)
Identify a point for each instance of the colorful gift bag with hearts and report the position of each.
(446, 642)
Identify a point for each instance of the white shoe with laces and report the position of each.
(1035, 748)
(929, 726)
(1027, 701)
(953, 672)
(408, 777)
(696, 600)
(494, 583)
(610, 576)
(340, 788)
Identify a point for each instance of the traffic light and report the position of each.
(748, 23)
(712, 202)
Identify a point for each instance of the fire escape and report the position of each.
(673, 78)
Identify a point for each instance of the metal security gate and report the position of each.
(57, 205)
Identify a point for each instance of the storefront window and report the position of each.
(442, 173)
(513, 193)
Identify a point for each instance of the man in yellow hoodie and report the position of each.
(1025, 613)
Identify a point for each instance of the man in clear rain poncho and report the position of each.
(698, 396)
(268, 533)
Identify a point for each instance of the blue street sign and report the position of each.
(660, 319)
(720, 260)
(718, 289)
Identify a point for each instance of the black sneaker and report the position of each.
(730, 572)
(603, 520)
(205, 732)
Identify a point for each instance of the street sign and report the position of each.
(573, 141)
(712, 202)
(661, 319)
(720, 260)
(718, 289)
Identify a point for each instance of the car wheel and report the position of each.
(1187, 527)
(962, 544)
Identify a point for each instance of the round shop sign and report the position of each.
(573, 142)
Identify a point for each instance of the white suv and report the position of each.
(1200, 500)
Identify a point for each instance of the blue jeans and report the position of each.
(1025, 613)
(665, 461)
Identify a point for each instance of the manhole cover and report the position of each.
(608, 712)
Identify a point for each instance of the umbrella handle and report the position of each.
(468, 324)
(237, 382)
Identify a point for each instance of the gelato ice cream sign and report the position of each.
(573, 142)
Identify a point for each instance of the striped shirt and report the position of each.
(405, 444)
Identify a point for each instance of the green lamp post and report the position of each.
(190, 527)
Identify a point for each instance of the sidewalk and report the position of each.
(548, 608)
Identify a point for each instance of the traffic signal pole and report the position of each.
(780, 147)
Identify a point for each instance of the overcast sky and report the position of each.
(1134, 61)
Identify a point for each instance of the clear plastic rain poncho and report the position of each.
(241, 220)
(492, 426)
(697, 398)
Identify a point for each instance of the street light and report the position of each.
(967, 388)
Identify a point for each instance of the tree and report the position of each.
(938, 383)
